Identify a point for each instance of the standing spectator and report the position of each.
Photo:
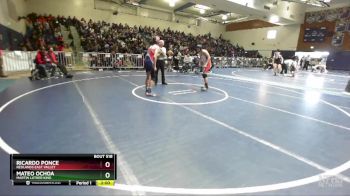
(61, 56)
(176, 59)
(67, 50)
(2, 74)
(170, 60)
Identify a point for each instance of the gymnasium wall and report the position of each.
(9, 12)
(11, 29)
(286, 39)
(327, 19)
(10, 39)
(319, 20)
(154, 18)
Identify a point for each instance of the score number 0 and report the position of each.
(107, 174)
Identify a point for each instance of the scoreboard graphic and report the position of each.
(64, 169)
(315, 34)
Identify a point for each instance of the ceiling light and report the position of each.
(133, 2)
(202, 7)
(171, 3)
(202, 11)
(224, 17)
(274, 19)
(271, 34)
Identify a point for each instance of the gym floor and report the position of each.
(251, 133)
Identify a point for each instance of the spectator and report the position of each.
(176, 58)
(53, 61)
(105, 37)
(187, 62)
(60, 46)
(2, 74)
(67, 48)
(41, 62)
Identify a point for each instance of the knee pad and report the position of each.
(204, 75)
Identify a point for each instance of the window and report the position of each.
(271, 34)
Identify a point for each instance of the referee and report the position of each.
(160, 57)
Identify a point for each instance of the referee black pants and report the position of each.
(306, 65)
(160, 66)
(284, 69)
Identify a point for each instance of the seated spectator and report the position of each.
(54, 63)
(47, 60)
(105, 37)
(60, 46)
(67, 48)
(41, 62)
(187, 58)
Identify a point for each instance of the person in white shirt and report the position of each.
(187, 63)
(160, 57)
